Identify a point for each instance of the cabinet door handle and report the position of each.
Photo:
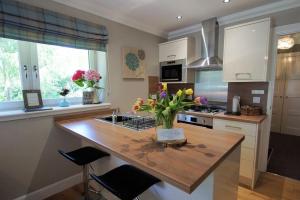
(233, 127)
(36, 71)
(25, 68)
(238, 74)
(171, 56)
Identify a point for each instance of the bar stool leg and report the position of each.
(85, 182)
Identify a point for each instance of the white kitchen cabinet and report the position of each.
(249, 151)
(246, 50)
(183, 48)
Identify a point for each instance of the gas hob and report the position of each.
(200, 115)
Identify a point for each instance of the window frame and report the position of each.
(28, 56)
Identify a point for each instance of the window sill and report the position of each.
(20, 114)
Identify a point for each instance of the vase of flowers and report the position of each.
(165, 107)
(64, 102)
(89, 80)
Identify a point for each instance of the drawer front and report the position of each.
(247, 154)
(236, 127)
(246, 168)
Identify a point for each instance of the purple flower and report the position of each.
(203, 100)
(163, 95)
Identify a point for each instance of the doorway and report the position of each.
(284, 145)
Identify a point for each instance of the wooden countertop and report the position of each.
(185, 167)
(242, 118)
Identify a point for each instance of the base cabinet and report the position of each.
(249, 148)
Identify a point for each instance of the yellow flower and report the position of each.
(164, 86)
(139, 101)
(150, 101)
(179, 93)
(197, 100)
(136, 107)
(189, 92)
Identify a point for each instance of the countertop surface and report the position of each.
(184, 167)
(242, 118)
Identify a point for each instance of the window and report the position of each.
(56, 65)
(27, 65)
(10, 82)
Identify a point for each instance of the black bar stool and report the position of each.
(126, 182)
(83, 157)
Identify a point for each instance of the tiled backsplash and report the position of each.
(244, 90)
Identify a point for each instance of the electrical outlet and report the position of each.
(153, 96)
(258, 92)
(256, 99)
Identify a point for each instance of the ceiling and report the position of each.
(159, 16)
(296, 37)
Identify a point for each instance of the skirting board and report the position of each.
(53, 188)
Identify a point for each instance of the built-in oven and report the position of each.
(172, 71)
(195, 120)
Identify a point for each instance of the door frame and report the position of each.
(277, 32)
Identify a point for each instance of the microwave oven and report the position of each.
(172, 71)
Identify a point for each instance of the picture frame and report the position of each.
(133, 63)
(32, 99)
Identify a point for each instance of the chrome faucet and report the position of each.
(114, 117)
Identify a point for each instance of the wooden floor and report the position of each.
(269, 187)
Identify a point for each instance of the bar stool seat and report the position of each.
(84, 155)
(126, 181)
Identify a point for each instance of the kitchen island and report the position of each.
(205, 168)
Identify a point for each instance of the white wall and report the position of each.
(28, 148)
(29, 158)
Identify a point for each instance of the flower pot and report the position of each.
(91, 96)
(87, 97)
(96, 97)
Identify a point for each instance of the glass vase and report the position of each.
(168, 122)
(64, 102)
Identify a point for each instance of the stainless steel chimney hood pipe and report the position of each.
(209, 59)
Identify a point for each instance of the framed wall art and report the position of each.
(133, 63)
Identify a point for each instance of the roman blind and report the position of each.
(25, 22)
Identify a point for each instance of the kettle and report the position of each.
(236, 109)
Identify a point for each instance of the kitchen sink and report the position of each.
(119, 118)
(130, 121)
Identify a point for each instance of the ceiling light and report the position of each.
(286, 42)
(226, 1)
(179, 17)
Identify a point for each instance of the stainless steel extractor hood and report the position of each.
(209, 59)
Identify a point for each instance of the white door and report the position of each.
(278, 95)
(291, 105)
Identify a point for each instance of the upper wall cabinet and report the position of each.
(176, 50)
(246, 50)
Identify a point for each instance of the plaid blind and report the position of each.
(25, 22)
